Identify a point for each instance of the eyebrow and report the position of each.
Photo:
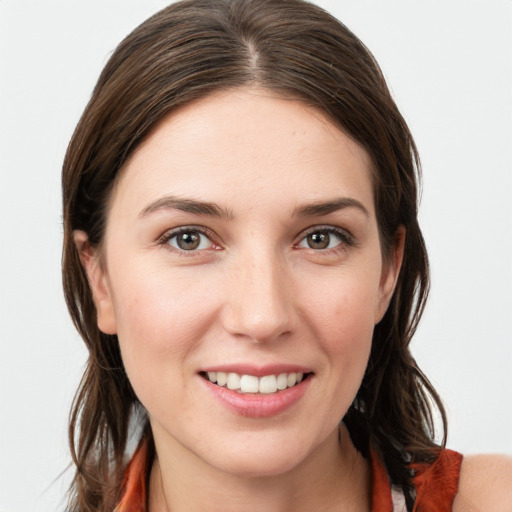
(326, 207)
(186, 205)
(214, 210)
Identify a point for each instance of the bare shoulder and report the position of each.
(485, 484)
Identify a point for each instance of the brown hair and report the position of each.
(184, 52)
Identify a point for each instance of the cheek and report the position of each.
(344, 308)
(343, 321)
(160, 319)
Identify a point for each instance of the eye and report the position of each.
(324, 239)
(188, 240)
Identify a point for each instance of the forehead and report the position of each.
(245, 147)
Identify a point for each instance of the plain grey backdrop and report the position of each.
(449, 66)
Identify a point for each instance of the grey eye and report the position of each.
(321, 240)
(318, 240)
(190, 241)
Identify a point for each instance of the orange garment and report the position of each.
(436, 484)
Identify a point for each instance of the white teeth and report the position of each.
(282, 381)
(268, 384)
(233, 381)
(251, 384)
(222, 378)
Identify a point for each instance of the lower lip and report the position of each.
(258, 405)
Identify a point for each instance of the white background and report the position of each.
(449, 65)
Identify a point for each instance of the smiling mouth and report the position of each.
(246, 384)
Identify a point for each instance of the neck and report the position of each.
(335, 477)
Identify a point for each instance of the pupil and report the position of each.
(318, 240)
(188, 241)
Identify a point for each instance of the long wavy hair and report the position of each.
(297, 50)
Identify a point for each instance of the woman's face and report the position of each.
(242, 244)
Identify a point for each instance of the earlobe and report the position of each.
(98, 282)
(390, 273)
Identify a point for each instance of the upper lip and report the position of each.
(257, 371)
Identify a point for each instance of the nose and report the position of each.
(259, 305)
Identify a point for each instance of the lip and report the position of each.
(257, 405)
(257, 371)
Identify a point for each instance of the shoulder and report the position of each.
(485, 484)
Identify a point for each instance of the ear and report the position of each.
(98, 282)
(390, 273)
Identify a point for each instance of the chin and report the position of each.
(260, 465)
(259, 458)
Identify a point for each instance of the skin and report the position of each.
(253, 292)
(485, 484)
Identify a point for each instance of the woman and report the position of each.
(243, 260)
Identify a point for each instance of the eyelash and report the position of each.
(346, 240)
(169, 235)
